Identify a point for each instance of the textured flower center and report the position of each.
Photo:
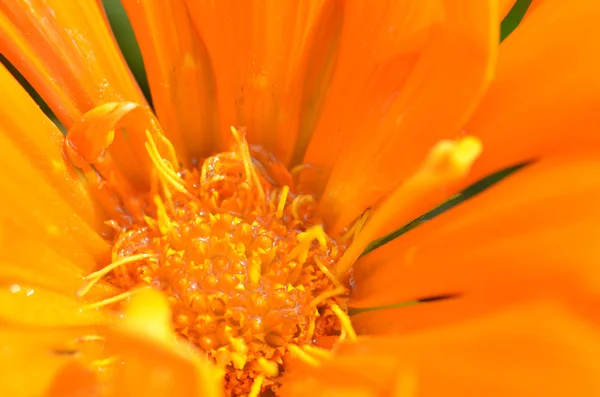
(243, 259)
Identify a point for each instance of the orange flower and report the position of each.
(239, 240)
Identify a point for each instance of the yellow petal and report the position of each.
(38, 139)
(154, 363)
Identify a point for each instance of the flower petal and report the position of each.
(531, 235)
(389, 138)
(536, 348)
(26, 306)
(22, 121)
(30, 360)
(379, 45)
(505, 6)
(154, 363)
(33, 209)
(265, 53)
(68, 54)
(179, 74)
(66, 51)
(545, 97)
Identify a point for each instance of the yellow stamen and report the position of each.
(165, 172)
(318, 352)
(327, 272)
(271, 368)
(282, 200)
(171, 150)
(344, 321)
(298, 201)
(109, 301)
(357, 227)
(256, 386)
(302, 355)
(327, 295)
(298, 169)
(162, 219)
(97, 275)
(305, 240)
(311, 326)
(251, 174)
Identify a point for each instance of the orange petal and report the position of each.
(266, 55)
(531, 235)
(66, 51)
(545, 97)
(505, 6)
(37, 138)
(347, 376)
(75, 380)
(179, 73)
(536, 348)
(30, 361)
(390, 139)
(27, 260)
(154, 363)
(446, 165)
(379, 46)
(532, 6)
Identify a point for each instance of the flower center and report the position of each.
(243, 259)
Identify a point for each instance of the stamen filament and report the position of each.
(167, 173)
(271, 368)
(327, 272)
(282, 199)
(110, 301)
(317, 352)
(299, 200)
(356, 227)
(302, 355)
(97, 275)
(327, 295)
(256, 386)
(249, 170)
(311, 326)
(345, 322)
